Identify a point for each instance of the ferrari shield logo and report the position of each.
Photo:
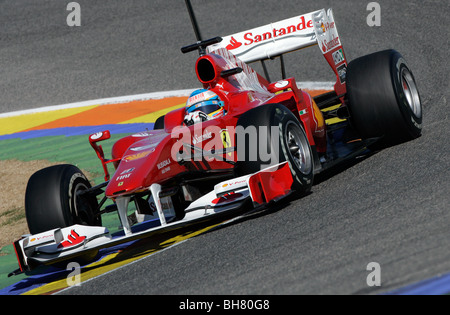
(226, 140)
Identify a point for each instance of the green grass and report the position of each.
(12, 216)
(74, 150)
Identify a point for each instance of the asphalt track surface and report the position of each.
(391, 208)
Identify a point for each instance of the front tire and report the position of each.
(52, 199)
(282, 137)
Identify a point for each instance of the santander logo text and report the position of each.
(327, 46)
(250, 38)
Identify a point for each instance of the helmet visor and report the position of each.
(207, 107)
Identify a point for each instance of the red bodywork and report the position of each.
(149, 157)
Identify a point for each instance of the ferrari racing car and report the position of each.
(240, 143)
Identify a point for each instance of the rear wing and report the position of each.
(275, 39)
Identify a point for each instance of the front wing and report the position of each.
(83, 242)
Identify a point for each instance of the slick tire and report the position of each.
(269, 135)
(383, 98)
(52, 199)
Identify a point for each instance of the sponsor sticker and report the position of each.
(137, 156)
(338, 57)
(199, 139)
(164, 164)
(122, 177)
(342, 72)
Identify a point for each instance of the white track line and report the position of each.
(309, 85)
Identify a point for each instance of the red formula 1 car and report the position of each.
(269, 140)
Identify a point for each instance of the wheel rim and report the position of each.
(411, 92)
(80, 204)
(298, 148)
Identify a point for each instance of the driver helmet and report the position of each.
(203, 105)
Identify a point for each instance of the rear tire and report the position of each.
(383, 98)
(52, 200)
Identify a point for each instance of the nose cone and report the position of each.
(138, 168)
